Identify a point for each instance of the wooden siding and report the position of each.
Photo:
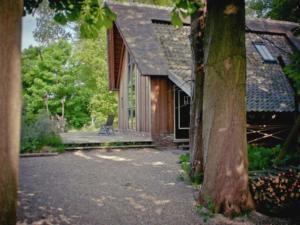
(143, 99)
(143, 103)
(162, 106)
(115, 49)
(123, 100)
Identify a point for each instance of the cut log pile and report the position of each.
(276, 190)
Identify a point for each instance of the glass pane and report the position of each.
(131, 95)
(264, 52)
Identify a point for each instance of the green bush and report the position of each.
(261, 158)
(184, 161)
(37, 134)
(184, 158)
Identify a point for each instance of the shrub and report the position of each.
(261, 158)
(40, 133)
(184, 161)
(184, 158)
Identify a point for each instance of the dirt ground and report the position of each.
(117, 187)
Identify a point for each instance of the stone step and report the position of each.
(74, 148)
(184, 147)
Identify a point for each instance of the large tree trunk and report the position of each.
(196, 153)
(290, 145)
(224, 112)
(10, 106)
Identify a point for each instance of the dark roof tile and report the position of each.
(161, 49)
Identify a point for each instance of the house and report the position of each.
(150, 68)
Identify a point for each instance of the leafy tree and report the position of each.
(90, 62)
(92, 17)
(224, 109)
(293, 72)
(288, 10)
(45, 76)
(79, 79)
(196, 10)
(224, 113)
(228, 48)
(289, 148)
(10, 109)
(47, 30)
(48, 79)
(197, 46)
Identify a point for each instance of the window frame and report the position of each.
(131, 93)
(264, 52)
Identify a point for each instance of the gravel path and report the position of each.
(118, 187)
(125, 187)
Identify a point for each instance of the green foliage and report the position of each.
(291, 158)
(36, 135)
(92, 19)
(91, 15)
(261, 158)
(78, 76)
(183, 9)
(184, 158)
(288, 10)
(184, 161)
(207, 211)
(47, 29)
(90, 65)
(293, 72)
(47, 78)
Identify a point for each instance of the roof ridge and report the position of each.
(272, 21)
(170, 8)
(138, 5)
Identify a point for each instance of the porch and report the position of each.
(94, 140)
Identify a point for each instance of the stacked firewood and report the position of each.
(276, 190)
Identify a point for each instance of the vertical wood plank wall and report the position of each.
(123, 99)
(162, 106)
(143, 98)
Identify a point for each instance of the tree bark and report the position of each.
(10, 106)
(290, 144)
(197, 33)
(224, 112)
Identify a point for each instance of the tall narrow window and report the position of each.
(131, 94)
(264, 52)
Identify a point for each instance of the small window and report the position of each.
(264, 52)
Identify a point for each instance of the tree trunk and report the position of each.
(197, 31)
(291, 142)
(224, 111)
(10, 106)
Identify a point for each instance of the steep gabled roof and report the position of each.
(135, 25)
(158, 48)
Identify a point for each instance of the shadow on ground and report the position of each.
(118, 187)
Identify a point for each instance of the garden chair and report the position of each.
(108, 127)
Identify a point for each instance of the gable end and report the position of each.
(116, 49)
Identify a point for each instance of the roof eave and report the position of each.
(183, 85)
